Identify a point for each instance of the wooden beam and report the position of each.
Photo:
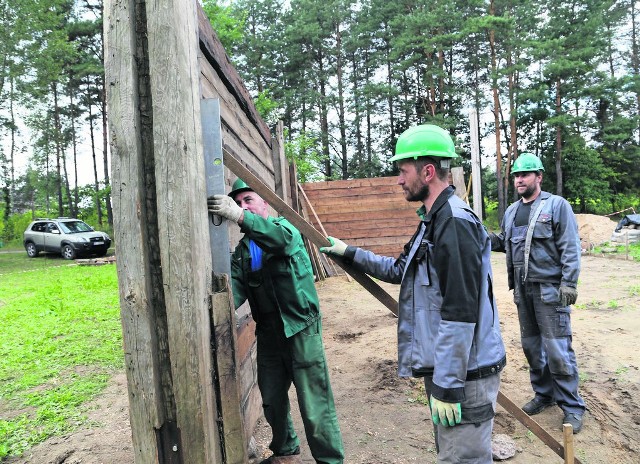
(567, 433)
(532, 425)
(280, 170)
(160, 225)
(229, 393)
(317, 219)
(306, 229)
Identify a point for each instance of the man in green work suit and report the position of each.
(270, 268)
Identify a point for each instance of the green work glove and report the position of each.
(338, 247)
(447, 414)
(568, 295)
(223, 205)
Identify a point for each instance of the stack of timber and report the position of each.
(370, 213)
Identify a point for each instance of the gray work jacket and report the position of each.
(448, 325)
(554, 255)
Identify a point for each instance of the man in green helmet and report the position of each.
(270, 268)
(540, 238)
(448, 327)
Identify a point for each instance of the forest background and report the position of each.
(557, 78)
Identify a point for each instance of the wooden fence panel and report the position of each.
(371, 213)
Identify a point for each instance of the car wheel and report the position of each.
(68, 252)
(32, 251)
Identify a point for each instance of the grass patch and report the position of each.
(616, 249)
(19, 261)
(61, 341)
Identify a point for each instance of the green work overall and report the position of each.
(285, 306)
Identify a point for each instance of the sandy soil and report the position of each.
(382, 417)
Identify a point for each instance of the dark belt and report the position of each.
(475, 374)
(487, 371)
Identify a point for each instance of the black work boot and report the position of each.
(537, 405)
(575, 420)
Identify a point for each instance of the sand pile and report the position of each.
(594, 230)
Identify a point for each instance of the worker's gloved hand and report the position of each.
(447, 414)
(223, 205)
(568, 295)
(338, 247)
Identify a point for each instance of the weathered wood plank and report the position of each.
(183, 222)
(280, 164)
(349, 184)
(227, 365)
(218, 58)
(130, 204)
(157, 161)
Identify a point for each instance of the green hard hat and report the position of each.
(239, 186)
(424, 140)
(527, 162)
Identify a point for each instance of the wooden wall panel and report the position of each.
(245, 135)
(370, 213)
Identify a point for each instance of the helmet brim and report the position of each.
(233, 193)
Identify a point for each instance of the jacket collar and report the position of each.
(442, 199)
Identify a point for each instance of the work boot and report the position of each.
(574, 419)
(537, 405)
(289, 459)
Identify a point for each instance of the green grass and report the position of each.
(634, 249)
(15, 259)
(61, 342)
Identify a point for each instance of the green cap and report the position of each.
(527, 162)
(239, 186)
(424, 140)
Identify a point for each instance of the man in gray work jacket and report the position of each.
(448, 328)
(540, 238)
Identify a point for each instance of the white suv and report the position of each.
(69, 237)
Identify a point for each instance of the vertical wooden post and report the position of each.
(476, 173)
(280, 164)
(457, 175)
(567, 433)
(293, 183)
(228, 383)
(160, 228)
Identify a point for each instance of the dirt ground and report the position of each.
(382, 417)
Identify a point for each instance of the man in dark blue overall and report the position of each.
(270, 268)
(540, 238)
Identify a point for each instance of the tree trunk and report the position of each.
(392, 122)
(635, 60)
(496, 118)
(341, 112)
(442, 105)
(355, 81)
(512, 153)
(58, 134)
(96, 185)
(105, 137)
(76, 199)
(558, 141)
(324, 118)
(367, 73)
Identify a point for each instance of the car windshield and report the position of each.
(74, 227)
